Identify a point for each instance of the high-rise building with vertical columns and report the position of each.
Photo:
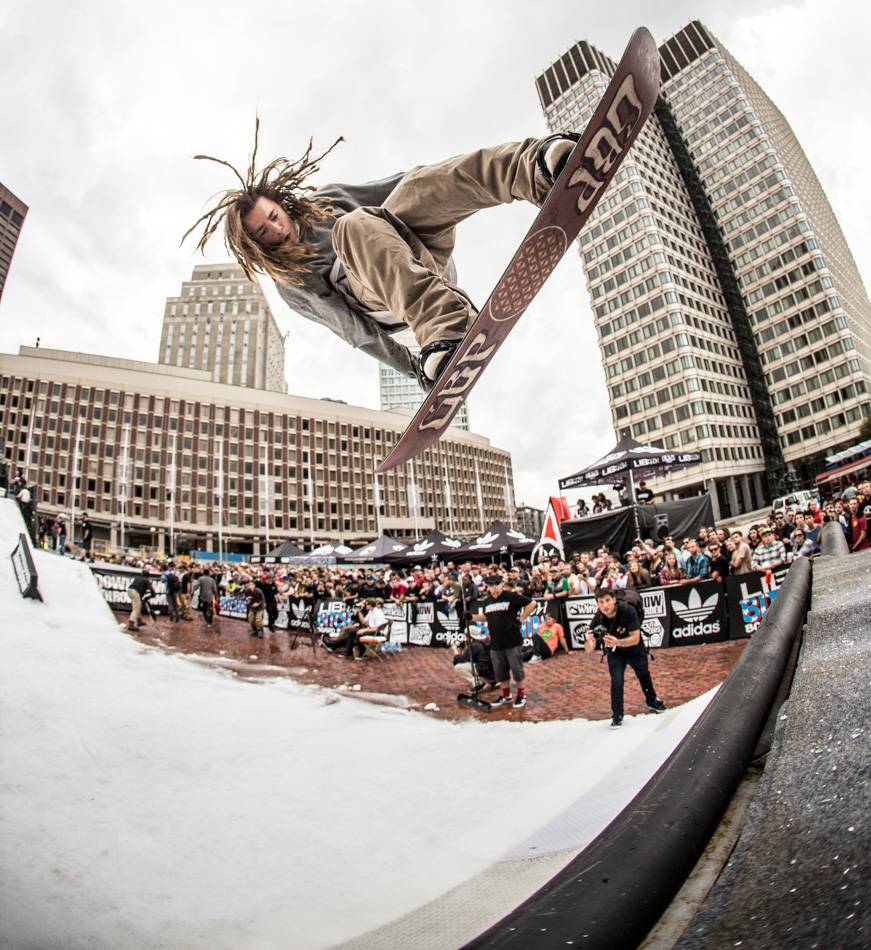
(221, 323)
(730, 313)
(12, 214)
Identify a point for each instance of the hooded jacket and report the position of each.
(323, 299)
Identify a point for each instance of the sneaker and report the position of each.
(501, 700)
(617, 721)
(434, 357)
(535, 658)
(359, 658)
(519, 701)
(658, 706)
(553, 153)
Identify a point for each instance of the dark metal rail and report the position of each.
(614, 891)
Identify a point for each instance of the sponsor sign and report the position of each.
(113, 585)
(420, 634)
(697, 613)
(749, 597)
(25, 569)
(295, 615)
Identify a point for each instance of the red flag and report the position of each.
(557, 512)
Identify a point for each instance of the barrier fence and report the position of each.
(678, 615)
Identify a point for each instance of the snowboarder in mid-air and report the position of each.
(373, 261)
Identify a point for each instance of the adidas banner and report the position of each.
(673, 616)
(697, 613)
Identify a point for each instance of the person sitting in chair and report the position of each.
(370, 622)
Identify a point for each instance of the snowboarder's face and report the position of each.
(269, 224)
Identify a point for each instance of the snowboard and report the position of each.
(593, 162)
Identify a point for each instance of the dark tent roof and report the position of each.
(434, 543)
(616, 529)
(287, 549)
(335, 549)
(497, 539)
(629, 455)
(380, 549)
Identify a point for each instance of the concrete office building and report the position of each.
(529, 520)
(399, 392)
(730, 313)
(222, 324)
(12, 214)
(151, 452)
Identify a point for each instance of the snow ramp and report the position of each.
(149, 801)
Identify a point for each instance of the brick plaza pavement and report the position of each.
(566, 687)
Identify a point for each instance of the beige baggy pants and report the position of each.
(395, 255)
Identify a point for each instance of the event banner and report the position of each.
(294, 614)
(673, 616)
(750, 596)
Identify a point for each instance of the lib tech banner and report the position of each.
(750, 596)
(673, 616)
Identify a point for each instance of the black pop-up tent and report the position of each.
(497, 539)
(618, 529)
(631, 458)
(381, 549)
(287, 549)
(434, 545)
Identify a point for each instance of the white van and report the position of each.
(798, 500)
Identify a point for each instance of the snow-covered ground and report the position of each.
(150, 801)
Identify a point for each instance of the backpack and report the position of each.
(630, 596)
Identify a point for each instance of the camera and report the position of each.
(599, 633)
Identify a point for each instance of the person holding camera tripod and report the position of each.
(616, 630)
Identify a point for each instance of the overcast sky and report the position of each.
(104, 103)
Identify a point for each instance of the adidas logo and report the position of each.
(695, 611)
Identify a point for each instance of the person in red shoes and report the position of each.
(503, 611)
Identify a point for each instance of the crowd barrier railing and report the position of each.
(677, 615)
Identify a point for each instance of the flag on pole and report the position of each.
(557, 512)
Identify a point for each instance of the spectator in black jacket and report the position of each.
(256, 603)
(173, 587)
(208, 591)
(266, 585)
(139, 592)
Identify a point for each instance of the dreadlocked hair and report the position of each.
(282, 181)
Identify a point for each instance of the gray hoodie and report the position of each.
(318, 298)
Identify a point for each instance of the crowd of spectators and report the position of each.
(712, 554)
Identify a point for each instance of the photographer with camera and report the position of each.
(616, 630)
(463, 658)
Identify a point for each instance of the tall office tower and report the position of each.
(399, 392)
(12, 214)
(731, 316)
(221, 323)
